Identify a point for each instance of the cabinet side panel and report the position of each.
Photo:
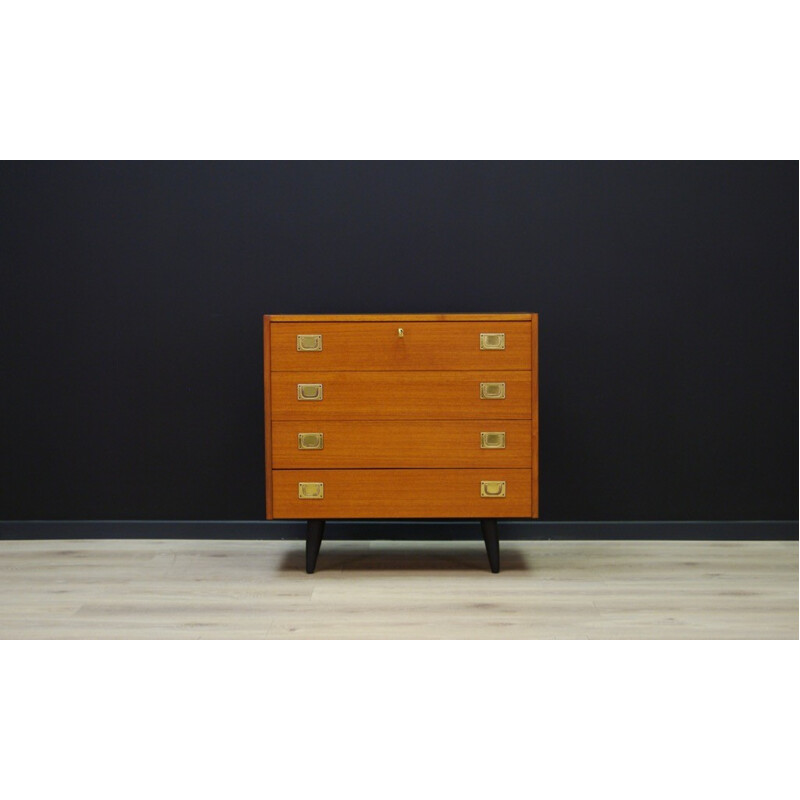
(535, 415)
(267, 419)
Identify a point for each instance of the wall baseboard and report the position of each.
(741, 530)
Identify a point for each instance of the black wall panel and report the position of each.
(132, 293)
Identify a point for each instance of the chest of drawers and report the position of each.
(401, 416)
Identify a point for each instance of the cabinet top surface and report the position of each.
(511, 317)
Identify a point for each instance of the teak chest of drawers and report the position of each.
(417, 416)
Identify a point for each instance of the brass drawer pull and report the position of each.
(309, 441)
(308, 342)
(493, 440)
(311, 491)
(493, 488)
(309, 391)
(493, 341)
(493, 391)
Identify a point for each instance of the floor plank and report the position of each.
(182, 589)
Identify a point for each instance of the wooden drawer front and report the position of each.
(441, 443)
(400, 395)
(393, 493)
(377, 346)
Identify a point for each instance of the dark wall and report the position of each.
(132, 294)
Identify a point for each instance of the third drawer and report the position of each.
(401, 443)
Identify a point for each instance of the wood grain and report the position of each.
(206, 589)
(411, 443)
(395, 408)
(424, 346)
(401, 395)
(400, 493)
(511, 317)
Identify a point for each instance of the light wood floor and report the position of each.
(134, 589)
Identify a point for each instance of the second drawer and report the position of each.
(413, 443)
(488, 394)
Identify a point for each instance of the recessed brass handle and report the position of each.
(309, 342)
(493, 488)
(493, 440)
(311, 491)
(309, 391)
(309, 441)
(493, 341)
(493, 391)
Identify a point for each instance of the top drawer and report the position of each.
(354, 346)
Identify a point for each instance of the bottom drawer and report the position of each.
(411, 493)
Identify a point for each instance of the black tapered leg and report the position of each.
(314, 530)
(489, 530)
